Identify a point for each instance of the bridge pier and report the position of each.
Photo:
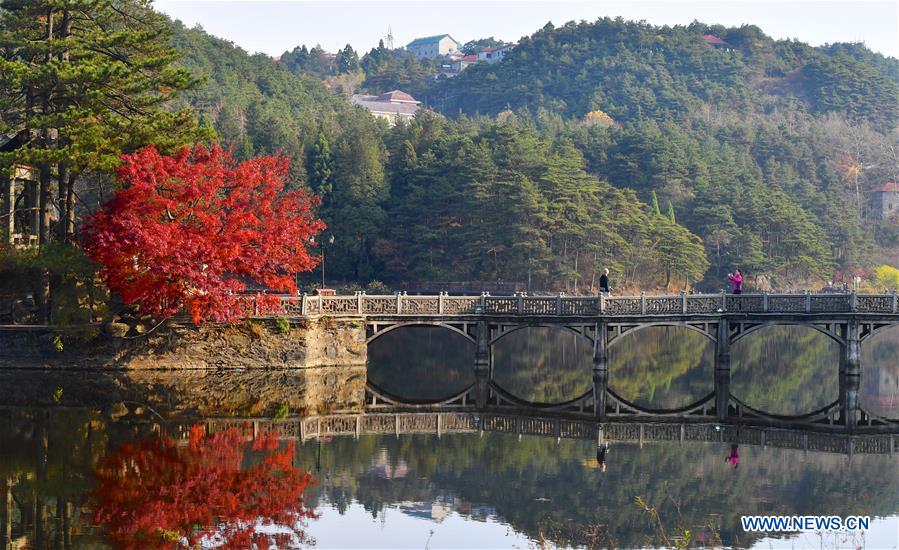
(600, 369)
(850, 374)
(482, 365)
(722, 369)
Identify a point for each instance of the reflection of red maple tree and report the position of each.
(157, 493)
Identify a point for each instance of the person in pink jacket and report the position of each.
(736, 280)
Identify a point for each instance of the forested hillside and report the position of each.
(607, 144)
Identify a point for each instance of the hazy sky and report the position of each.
(273, 27)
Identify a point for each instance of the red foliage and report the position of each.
(188, 231)
(157, 493)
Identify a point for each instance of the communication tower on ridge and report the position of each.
(388, 40)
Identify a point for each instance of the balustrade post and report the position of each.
(482, 365)
(895, 302)
(520, 303)
(600, 369)
(559, 304)
(643, 303)
(765, 302)
(853, 302)
(723, 301)
(303, 306)
(399, 303)
(850, 374)
(808, 302)
(683, 302)
(483, 302)
(722, 369)
(360, 297)
(440, 302)
(602, 303)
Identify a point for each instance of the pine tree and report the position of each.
(87, 81)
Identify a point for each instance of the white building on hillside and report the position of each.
(430, 47)
(493, 55)
(391, 106)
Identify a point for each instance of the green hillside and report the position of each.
(575, 152)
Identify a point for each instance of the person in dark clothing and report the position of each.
(604, 281)
(601, 451)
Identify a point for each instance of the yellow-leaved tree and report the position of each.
(886, 277)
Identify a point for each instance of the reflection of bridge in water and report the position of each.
(440, 423)
(847, 319)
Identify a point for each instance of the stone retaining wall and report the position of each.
(256, 344)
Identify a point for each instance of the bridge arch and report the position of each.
(378, 332)
(641, 326)
(505, 333)
(820, 328)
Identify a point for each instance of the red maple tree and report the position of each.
(190, 230)
(157, 493)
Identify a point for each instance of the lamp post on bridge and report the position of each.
(330, 240)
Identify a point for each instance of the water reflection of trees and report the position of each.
(539, 486)
(880, 374)
(785, 369)
(662, 367)
(543, 364)
(421, 362)
(157, 493)
(150, 492)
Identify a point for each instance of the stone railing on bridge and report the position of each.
(575, 306)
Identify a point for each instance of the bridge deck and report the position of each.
(521, 306)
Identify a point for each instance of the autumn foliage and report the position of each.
(189, 231)
(157, 493)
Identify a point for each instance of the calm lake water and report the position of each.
(106, 475)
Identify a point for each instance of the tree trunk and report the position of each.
(45, 200)
(70, 207)
(61, 179)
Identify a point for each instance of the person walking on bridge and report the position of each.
(604, 281)
(736, 280)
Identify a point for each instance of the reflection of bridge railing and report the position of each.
(439, 423)
(682, 304)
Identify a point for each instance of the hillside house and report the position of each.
(431, 47)
(715, 42)
(20, 213)
(464, 62)
(495, 55)
(885, 201)
(391, 106)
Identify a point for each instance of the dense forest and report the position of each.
(559, 494)
(608, 144)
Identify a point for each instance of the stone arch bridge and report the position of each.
(848, 319)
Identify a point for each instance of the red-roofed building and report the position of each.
(464, 62)
(392, 106)
(885, 201)
(714, 41)
(494, 55)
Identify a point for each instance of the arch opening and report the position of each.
(785, 369)
(879, 391)
(421, 362)
(543, 364)
(662, 366)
